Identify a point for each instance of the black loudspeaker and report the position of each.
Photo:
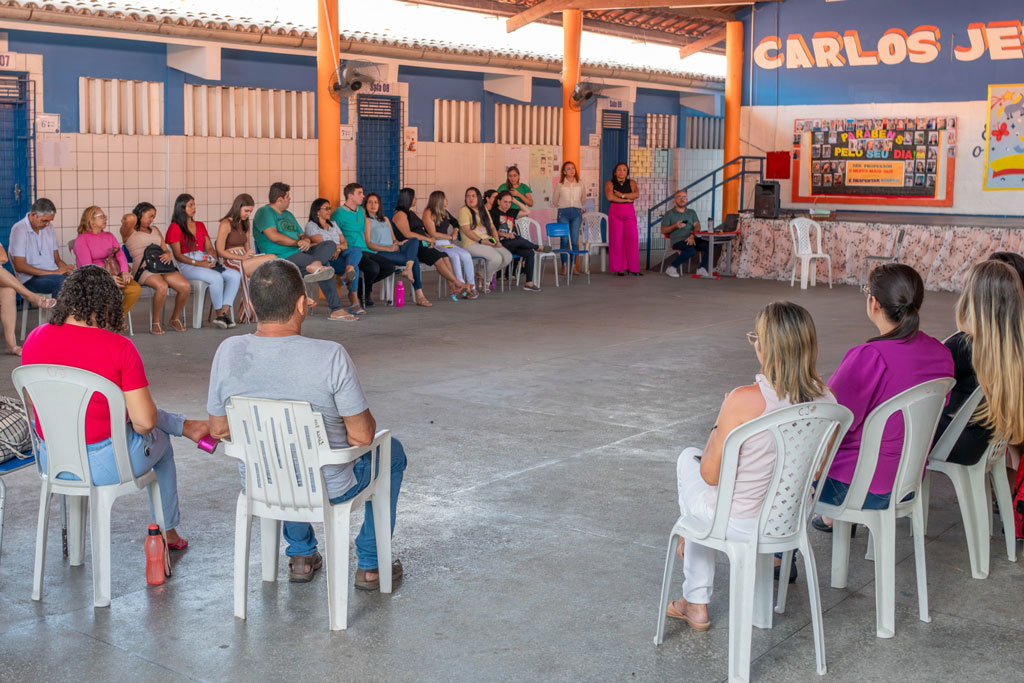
(766, 199)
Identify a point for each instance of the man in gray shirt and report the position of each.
(678, 225)
(257, 366)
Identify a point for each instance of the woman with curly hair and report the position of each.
(82, 333)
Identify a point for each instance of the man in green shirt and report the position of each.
(277, 232)
(678, 226)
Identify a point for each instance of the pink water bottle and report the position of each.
(399, 294)
(154, 556)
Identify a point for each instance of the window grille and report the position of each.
(456, 121)
(112, 106)
(661, 131)
(705, 132)
(527, 124)
(217, 111)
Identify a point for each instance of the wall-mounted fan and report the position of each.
(352, 77)
(583, 95)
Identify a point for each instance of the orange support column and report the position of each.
(328, 109)
(733, 99)
(572, 29)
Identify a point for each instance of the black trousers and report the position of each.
(373, 268)
(526, 250)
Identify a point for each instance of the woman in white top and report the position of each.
(787, 347)
(569, 202)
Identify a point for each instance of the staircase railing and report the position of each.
(749, 166)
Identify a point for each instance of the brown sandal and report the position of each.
(177, 325)
(673, 613)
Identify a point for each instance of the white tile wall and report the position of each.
(692, 164)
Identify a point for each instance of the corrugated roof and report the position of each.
(151, 17)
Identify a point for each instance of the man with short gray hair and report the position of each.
(35, 252)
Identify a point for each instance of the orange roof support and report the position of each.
(733, 100)
(572, 30)
(328, 108)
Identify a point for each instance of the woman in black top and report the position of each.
(503, 219)
(623, 237)
(408, 226)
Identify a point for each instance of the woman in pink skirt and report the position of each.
(623, 238)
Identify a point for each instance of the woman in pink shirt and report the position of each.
(900, 357)
(95, 244)
(786, 345)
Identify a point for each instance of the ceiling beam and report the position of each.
(692, 48)
(546, 7)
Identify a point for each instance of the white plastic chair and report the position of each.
(529, 229)
(894, 254)
(921, 407)
(283, 445)
(57, 392)
(590, 235)
(805, 253)
(973, 492)
(802, 435)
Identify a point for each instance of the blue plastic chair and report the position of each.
(559, 230)
(12, 465)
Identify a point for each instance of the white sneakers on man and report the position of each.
(702, 272)
(672, 271)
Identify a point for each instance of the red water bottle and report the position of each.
(154, 556)
(399, 294)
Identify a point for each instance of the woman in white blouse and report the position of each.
(569, 202)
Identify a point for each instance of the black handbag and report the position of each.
(151, 261)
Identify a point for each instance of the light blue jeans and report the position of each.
(574, 217)
(301, 539)
(349, 257)
(223, 286)
(151, 451)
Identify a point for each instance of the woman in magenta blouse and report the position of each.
(92, 247)
(900, 357)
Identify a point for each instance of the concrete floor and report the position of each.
(542, 432)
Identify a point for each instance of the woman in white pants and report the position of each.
(197, 259)
(479, 237)
(441, 226)
(786, 345)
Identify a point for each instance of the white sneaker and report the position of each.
(672, 271)
(702, 272)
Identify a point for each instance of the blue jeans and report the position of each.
(349, 257)
(151, 451)
(574, 217)
(45, 284)
(301, 539)
(406, 252)
(834, 492)
(688, 251)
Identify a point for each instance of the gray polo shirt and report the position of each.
(35, 247)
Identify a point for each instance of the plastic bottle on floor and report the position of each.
(154, 556)
(399, 294)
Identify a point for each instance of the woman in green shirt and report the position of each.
(522, 195)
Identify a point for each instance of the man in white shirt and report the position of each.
(35, 252)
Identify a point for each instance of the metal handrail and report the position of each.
(741, 175)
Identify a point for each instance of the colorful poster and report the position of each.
(874, 173)
(1004, 153)
(893, 156)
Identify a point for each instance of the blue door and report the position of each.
(379, 147)
(614, 147)
(15, 151)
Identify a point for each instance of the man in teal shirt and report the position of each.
(351, 220)
(678, 226)
(277, 232)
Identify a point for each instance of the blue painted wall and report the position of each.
(942, 80)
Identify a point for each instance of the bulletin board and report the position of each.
(894, 160)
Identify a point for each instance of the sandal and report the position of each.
(818, 523)
(301, 567)
(155, 328)
(423, 301)
(344, 317)
(673, 613)
(13, 351)
(46, 302)
(177, 325)
(356, 310)
(180, 544)
(362, 584)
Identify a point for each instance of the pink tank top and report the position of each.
(757, 459)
